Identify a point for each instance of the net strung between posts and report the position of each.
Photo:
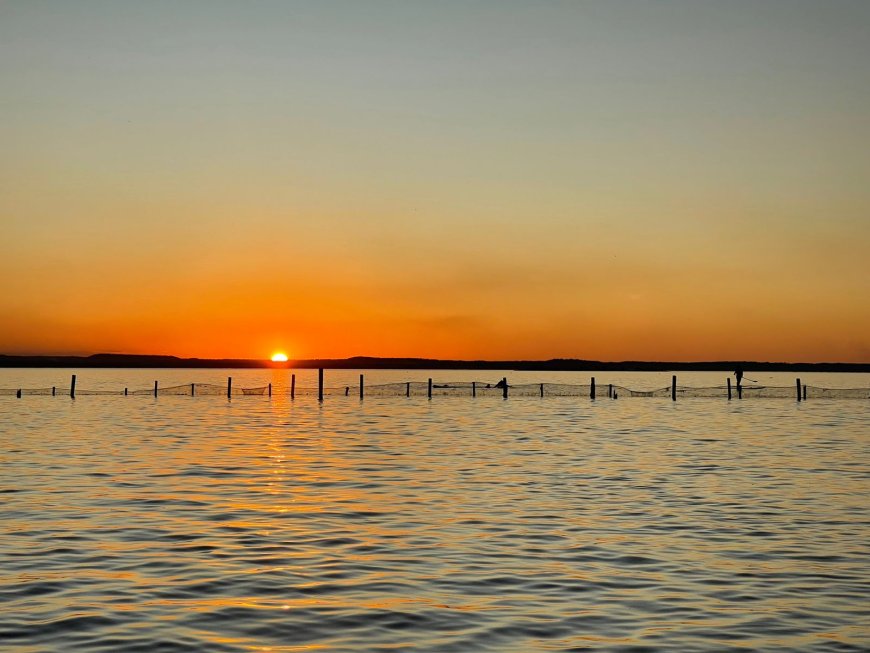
(466, 389)
(198, 389)
(188, 389)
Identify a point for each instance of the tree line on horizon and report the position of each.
(371, 362)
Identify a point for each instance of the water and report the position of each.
(201, 524)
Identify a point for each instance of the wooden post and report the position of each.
(798, 381)
(674, 387)
(229, 387)
(542, 389)
(408, 389)
(430, 388)
(18, 394)
(728, 380)
(805, 391)
(361, 382)
(320, 384)
(293, 386)
(346, 390)
(155, 388)
(592, 389)
(473, 389)
(192, 389)
(270, 389)
(72, 387)
(504, 390)
(610, 390)
(125, 392)
(53, 391)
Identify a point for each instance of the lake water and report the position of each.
(555, 524)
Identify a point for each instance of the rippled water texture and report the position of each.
(179, 524)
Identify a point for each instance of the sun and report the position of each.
(279, 358)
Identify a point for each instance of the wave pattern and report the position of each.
(501, 526)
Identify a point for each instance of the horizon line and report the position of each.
(410, 362)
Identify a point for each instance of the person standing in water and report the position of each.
(739, 374)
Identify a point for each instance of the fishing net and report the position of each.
(466, 389)
(200, 390)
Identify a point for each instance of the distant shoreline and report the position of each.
(373, 363)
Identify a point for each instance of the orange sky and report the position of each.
(611, 181)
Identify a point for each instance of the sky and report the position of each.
(614, 180)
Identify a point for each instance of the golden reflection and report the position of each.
(253, 499)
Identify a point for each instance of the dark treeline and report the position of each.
(372, 363)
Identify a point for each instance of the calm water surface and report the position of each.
(201, 524)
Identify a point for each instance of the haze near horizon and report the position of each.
(677, 180)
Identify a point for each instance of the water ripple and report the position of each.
(396, 526)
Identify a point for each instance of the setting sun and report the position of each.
(279, 358)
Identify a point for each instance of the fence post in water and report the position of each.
(72, 387)
(592, 389)
(430, 389)
(542, 389)
(192, 389)
(293, 386)
(229, 387)
(18, 394)
(728, 380)
(320, 384)
(361, 381)
(610, 390)
(798, 381)
(504, 393)
(53, 391)
(408, 389)
(270, 389)
(674, 387)
(125, 392)
(473, 389)
(155, 388)
(805, 391)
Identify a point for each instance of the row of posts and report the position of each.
(801, 390)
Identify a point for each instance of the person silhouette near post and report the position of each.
(739, 374)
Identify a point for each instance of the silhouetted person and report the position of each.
(501, 384)
(739, 374)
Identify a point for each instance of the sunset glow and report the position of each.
(279, 358)
(614, 181)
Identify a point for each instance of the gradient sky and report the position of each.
(681, 180)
